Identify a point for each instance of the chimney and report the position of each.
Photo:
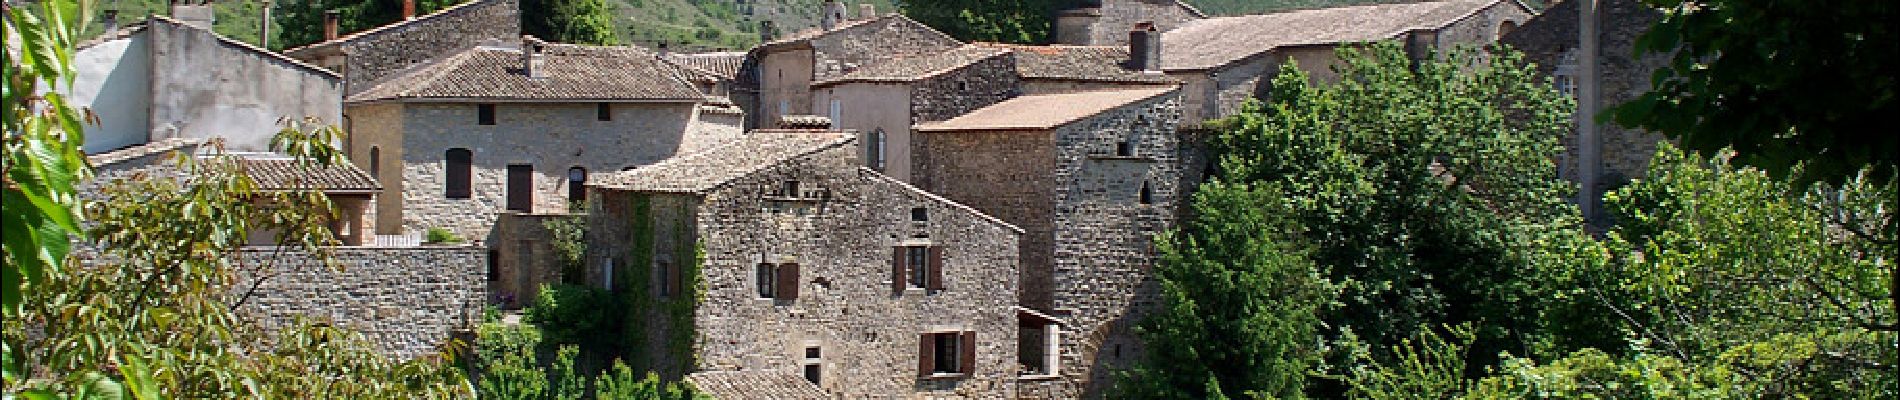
(110, 19)
(194, 13)
(329, 24)
(532, 62)
(867, 11)
(1144, 47)
(263, 26)
(766, 31)
(408, 9)
(834, 13)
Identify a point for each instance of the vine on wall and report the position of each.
(678, 310)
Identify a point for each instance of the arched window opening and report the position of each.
(1147, 194)
(375, 162)
(576, 186)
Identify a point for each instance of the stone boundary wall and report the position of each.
(406, 301)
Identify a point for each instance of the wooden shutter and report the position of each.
(926, 353)
(521, 188)
(788, 281)
(672, 279)
(936, 268)
(968, 358)
(898, 269)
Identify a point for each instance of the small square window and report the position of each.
(919, 214)
(1125, 148)
(485, 114)
(813, 352)
(789, 189)
(603, 111)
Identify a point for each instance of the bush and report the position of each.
(574, 314)
(439, 235)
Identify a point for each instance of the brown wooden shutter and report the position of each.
(926, 353)
(898, 269)
(672, 279)
(936, 267)
(788, 281)
(968, 358)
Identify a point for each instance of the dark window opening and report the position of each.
(812, 352)
(603, 111)
(1147, 195)
(813, 373)
(520, 187)
(1125, 148)
(375, 162)
(665, 272)
(494, 265)
(789, 189)
(460, 163)
(963, 86)
(919, 214)
(576, 186)
(917, 258)
(485, 114)
(764, 277)
(947, 352)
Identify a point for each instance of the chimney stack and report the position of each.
(263, 26)
(194, 13)
(330, 18)
(1144, 47)
(531, 59)
(867, 11)
(408, 9)
(110, 19)
(834, 14)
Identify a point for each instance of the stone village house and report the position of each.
(813, 266)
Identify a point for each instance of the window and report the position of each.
(664, 276)
(459, 163)
(520, 187)
(919, 214)
(485, 114)
(837, 114)
(1565, 78)
(494, 265)
(1147, 195)
(788, 189)
(963, 86)
(1038, 347)
(1125, 148)
(915, 266)
(877, 149)
(607, 274)
(946, 354)
(576, 186)
(814, 369)
(375, 162)
(916, 256)
(784, 108)
(763, 278)
(1506, 28)
(776, 281)
(603, 111)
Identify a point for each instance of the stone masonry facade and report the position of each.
(1108, 24)
(1089, 214)
(960, 91)
(549, 137)
(1551, 42)
(367, 57)
(406, 301)
(842, 230)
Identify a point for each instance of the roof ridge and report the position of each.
(383, 27)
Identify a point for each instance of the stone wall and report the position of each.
(525, 258)
(867, 333)
(966, 89)
(1120, 16)
(407, 301)
(1103, 249)
(840, 52)
(383, 52)
(551, 137)
(1086, 248)
(1546, 41)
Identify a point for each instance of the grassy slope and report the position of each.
(236, 18)
(1243, 7)
(715, 24)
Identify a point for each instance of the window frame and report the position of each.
(765, 281)
(917, 259)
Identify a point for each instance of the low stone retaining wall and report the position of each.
(406, 300)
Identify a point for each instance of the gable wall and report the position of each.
(204, 87)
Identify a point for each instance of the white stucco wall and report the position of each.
(114, 79)
(205, 87)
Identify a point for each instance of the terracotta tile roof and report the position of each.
(800, 121)
(755, 385)
(141, 150)
(1044, 111)
(574, 73)
(909, 69)
(724, 65)
(707, 170)
(1077, 63)
(277, 173)
(1211, 43)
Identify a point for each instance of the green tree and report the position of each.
(569, 21)
(1425, 191)
(1240, 304)
(1781, 82)
(301, 22)
(1006, 21)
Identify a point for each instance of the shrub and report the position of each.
(439, 235)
